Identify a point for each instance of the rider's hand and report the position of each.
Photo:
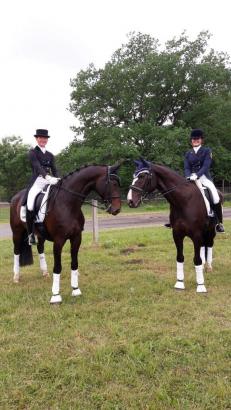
(193, 177)
(52, 180)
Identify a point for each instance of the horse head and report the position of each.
(144, 182)
(108, 187)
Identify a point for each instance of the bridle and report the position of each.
(144, 191)
(111, 176)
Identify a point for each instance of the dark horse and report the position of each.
(188, 214)
(64, 220)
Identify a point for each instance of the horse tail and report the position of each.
(25, 256)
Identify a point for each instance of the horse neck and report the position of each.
(84, 180)
(169, 180)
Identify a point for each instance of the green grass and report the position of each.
(130, 342)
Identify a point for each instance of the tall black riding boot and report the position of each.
(218, 211)
(30, 227)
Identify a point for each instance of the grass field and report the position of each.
(130, 342)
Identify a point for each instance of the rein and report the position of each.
(79, 195)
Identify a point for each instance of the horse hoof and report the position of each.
(16, 279)
(46, 274)
(201, 289)
(76, 292)
(56, 299)
(209, 268)
(179, 285)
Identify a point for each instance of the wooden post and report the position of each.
(95, 221)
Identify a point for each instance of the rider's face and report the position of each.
(196, 142)
(42, 141)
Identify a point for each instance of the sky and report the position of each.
(46, 43)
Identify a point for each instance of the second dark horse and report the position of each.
(188, 214)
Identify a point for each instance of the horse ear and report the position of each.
(144, 162)
(137, 162)
(114, 168)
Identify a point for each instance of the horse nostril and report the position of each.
(130, 203)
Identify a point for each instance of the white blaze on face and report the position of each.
(129, 197)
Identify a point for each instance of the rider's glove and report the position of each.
(193, 177)
(52, 180)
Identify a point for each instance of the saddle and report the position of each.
(41, 204)
(207, 196)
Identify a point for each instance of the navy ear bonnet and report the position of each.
(141, 165)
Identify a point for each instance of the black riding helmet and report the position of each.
(196, 134)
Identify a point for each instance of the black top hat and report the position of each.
(196, 133)
(42, 133)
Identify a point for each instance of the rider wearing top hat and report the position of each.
(197, 164)
(44, 172)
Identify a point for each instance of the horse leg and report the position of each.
(199, 267)
(22, 253)
(16, 268)
(75, 244)
(42, 258)
(179, 285)
(57, 250)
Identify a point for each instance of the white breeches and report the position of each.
(210, 185)
(37, 187)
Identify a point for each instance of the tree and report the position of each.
(14, 167)
(146, 99)
(141, 83)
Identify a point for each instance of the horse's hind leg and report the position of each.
(42, 258)
(206, 254)
(57, 251)
(199, 267)
(75, 244)
(179, 285)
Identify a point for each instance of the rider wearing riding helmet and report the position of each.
(197, 164)
(44, 173)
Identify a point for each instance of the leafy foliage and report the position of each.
(14, 167)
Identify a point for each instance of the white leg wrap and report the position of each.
(16, 268)
(56, 283)
(180, 270)
(209, 255)
(75, 283)
(56, 297)
(200, 279)
(74, 278)
(42, 261)
(179, 276)
(202, 254)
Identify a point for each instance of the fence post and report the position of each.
(95, 222)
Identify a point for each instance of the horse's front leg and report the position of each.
(178, 239)
(198, 262)
(42, 258)
(57, 251)
(75, 244)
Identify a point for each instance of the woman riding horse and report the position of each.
(44, 173)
